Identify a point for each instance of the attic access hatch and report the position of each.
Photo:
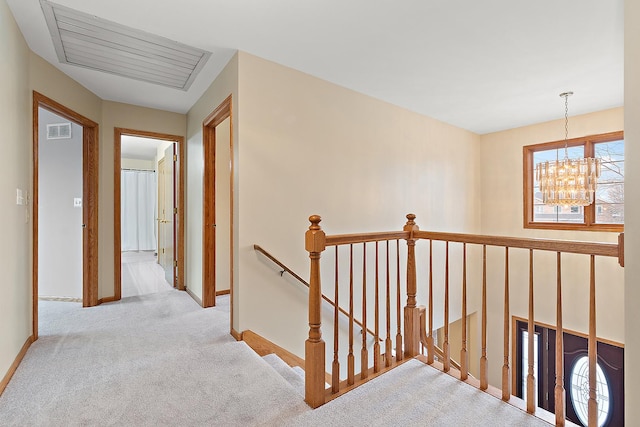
(87, 41)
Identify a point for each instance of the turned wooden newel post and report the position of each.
(411, 312)
(314, 241)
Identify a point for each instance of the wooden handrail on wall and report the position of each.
(286, 269)
(416, 317)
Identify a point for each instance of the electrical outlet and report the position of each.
(77, 202)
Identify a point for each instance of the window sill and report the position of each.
(615, 228)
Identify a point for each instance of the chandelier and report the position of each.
(568, 182)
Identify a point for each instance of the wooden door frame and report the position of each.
(179, 173)
(90, 161)
(220, 114)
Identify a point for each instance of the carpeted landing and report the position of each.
(160, 359)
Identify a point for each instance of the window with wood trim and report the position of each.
(606, 213)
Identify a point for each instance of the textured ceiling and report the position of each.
(480, 65)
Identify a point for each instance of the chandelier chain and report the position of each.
(566, 123)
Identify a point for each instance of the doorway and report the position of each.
(59, 208)
(148, 211)
(218, 189)
(87, 203)
(609, 374)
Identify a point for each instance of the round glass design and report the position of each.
(580, 391)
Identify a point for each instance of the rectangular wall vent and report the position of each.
(88, 41)
(59, 131)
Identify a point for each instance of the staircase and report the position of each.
(293, 375)
(413, 394)
(366, 280)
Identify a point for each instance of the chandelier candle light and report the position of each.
(568, 182)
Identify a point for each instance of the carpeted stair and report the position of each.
(293, 375)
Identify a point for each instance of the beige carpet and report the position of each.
(160, 359)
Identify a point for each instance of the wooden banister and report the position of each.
(314, 346)
(411, 311)
(531, 398)
(506, 390)
(592, 347)
(418, 320)
(281, 265)
(484, 369)
(464, 366)
(347, 239)
(437, 351)
(445, 343)
(286, 269)
(587, 248)
(559, 391)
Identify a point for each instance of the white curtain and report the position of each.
(138, 210)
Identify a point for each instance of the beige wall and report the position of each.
(51, 82)
(632, 208)
(15, 164)
(225, 84)
(502, 214)
(306, 147)
(139, 164)
(120, 115)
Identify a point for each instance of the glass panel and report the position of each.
(555, 214)
(610, 213)
(610, 151)
(580, 391)
(574, 152)
(572, 214)
(612, 172)
(557, 154)
(610, 190)
(543, 156)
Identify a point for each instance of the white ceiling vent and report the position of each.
(59, 131)
(91, 42)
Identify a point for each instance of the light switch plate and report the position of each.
(19, 197)
(77, 202)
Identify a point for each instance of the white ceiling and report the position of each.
(135, 147)
(480, 65)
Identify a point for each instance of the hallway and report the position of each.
(155, 359)
(141, 274)
(160, 359)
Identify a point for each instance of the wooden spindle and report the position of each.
(445, 344)
(464, 368)
(531, 386)
(350, 358)
(506, 389)
(388, 344)
(430, 346)
(484, 375)
(592, 346)
(376, 345)
(411, 311)
(398, 320)
(364, 353)
(335, 367)
(559, 391)
(315, 243)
